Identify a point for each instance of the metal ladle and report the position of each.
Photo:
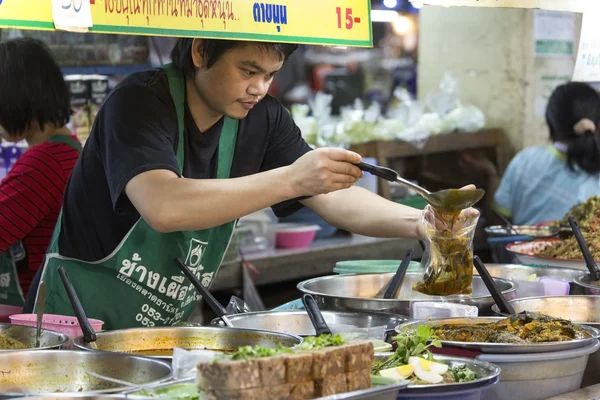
(448, 200)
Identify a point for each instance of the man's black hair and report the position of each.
(213, 49)
(569, 104)
(32, 87)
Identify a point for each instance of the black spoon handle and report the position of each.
(315, 315)
(587, 256)
(382, 172)
(89, 335)
(396, 281)
(500, 300)
(206, 295)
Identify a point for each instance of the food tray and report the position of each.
(387, 392)
(55, 323)
(503, 348)
(526, 252)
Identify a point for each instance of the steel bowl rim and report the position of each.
(496, 309)
(63, 339)
(302, 287)
(233, 317)
(519, 253)
(579, 281)
(457, 385)
(79, 342)
(595, 332)
(114, 391)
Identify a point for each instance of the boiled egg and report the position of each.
(402, 372)
(428, 371)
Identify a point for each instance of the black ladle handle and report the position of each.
(382, 172)
(315, 315)
(206, 295)
(396, 281)
(587, 256)
(89, 335)
(500, 300)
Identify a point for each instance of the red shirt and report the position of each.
(30, 200)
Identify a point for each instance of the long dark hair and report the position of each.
(573, 116)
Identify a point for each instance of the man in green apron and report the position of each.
(175, 157)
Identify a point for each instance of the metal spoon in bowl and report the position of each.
(448, 200)
(392, 289)
(587, 256)
(89, 335)
(41, 298)
(503, 304)
(206, 295)
(315, 315)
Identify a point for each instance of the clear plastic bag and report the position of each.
(448, 258)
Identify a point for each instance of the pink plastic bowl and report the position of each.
(295, 236)
(56, 323)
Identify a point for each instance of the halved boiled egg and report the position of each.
(428, 371)
(402, 372)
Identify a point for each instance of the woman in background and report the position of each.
(542, 183)
(36, 108)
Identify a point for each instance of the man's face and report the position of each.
(238, 80)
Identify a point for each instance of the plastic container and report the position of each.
(539, 376)
(56, 323)
(307, 216)
(295, 236)
(373, 266)
(432, 310)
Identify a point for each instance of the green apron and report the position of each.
(10, 290)
(139, 284)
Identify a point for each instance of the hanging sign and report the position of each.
(321, 22)
(556, 5)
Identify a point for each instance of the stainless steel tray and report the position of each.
(489, 373)
(502, 348)
(375, 393)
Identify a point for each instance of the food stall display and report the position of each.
(265, 356)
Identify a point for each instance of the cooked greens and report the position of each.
(8, 343)
(524, 328)
(180, 391)
(318, 342)
(249, 352)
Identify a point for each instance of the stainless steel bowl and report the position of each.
(356, 292)
(519, 272)
(66, 372)
(298, 322)
(26, 335)
(585, 283)
(583, 310)
(501, 348)
(160, 342)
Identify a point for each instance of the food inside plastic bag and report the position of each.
(449, 252)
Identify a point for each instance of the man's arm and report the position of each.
(169, 203)
(363, 212)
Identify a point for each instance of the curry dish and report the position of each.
(8, 343)
(523, 328)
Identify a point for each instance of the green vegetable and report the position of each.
(378, 380)
(410, 344)
(463, 374)
(318, 342)
(180, 391)
(249, 352)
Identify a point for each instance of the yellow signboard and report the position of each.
(557, 5)
(325, 22)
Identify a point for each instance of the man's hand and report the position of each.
(323, 171)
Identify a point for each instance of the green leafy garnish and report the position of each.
(181, 391)
(318, 342)
(463, 374)
(410, 344)
(249, 352)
